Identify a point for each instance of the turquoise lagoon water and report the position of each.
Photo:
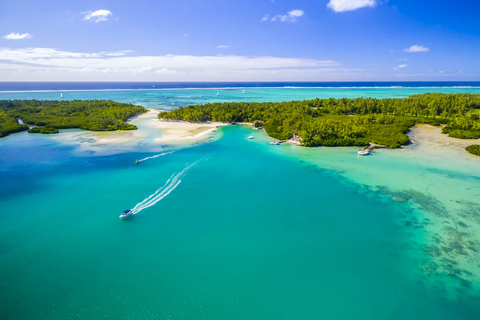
(168, 99)
(232, 228)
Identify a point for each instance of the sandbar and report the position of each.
(181, 130)
(152, 135)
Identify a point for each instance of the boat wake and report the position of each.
(156, 156)
(171, 184)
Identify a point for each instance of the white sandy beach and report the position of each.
(152, 135)
(431, 138)
(183, 131)
(169, 131)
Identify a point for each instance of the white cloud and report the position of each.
(34, 54)
(17, 36)
(281, 17)
(441, 71)
(416, 48)
(265, 18)
(116, 53)
(223, 46)
(296, 13)
(164, 71)
(400, 67)
(50, 64)
(98, 16)
(350, 5)
(47, 56)
(291, 16)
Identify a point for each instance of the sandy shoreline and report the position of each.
(152, 135)
(431, 137)
(181, 131)
(168, 130)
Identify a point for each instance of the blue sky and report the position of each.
(248, 40)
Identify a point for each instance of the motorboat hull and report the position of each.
(126, 215)
(364, 152)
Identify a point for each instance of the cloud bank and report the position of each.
(98, 16)
(17, 36)
(50, 64)
(350, 5)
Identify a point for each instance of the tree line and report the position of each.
(347, 121)
(474, 149)
(49, 116)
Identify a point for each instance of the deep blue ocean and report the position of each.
(234, 228)
(58, 86)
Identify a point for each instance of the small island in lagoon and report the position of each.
(49, 116)
(347, 122)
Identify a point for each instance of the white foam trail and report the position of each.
(156, 156)
(171, 184)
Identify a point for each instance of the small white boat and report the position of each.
(250, 137)
(364, 152)
(217, 93)
(243, 91)
(61, 95)
(275, 142)
(126, 214)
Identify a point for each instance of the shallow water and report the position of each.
(438, 186)
(237, 228)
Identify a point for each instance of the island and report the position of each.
(48, 116)
(347, 122)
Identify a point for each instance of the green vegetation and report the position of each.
(258, 124)
(9, 124)
(344, 121)
(474, 149)
(45, 130)
(49, 116)
(466, 127)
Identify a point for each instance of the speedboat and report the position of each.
(250, 137)
(364, 152)
(126, 214)
(275, 142)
